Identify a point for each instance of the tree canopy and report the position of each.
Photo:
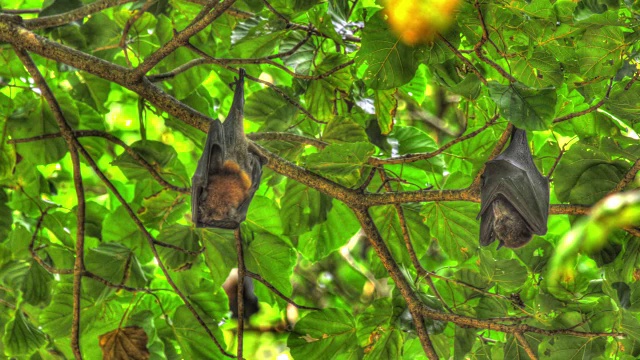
(362, 239)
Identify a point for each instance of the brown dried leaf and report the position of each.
(129, 343)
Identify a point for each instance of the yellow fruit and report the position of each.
(418, 21)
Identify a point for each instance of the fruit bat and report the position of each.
(514, 196)
(227, 175)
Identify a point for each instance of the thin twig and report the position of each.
(20, 11)
(413, 303)
(34, 253)
(258, 80)
(67, 134)
(407, 158)
(463, 59)
(180, 39)
(409, 245)
(125, 31)
(478, 47)
(240, 291)
(557, 161)
(589, 110)
(289, 137)
(627, 178)
(73, 15)
(264, 282)
(128, 149)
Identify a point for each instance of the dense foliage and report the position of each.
(362, 240)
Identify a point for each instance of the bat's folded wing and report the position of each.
(525, 189)
(212, 159)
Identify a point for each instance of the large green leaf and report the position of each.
(454, 226)
(527, 108)
(390, 63)
(336, 231)
(325, 334)
(342, 163)
(21, 337)
(272, 258)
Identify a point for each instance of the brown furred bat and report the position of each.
(227, 175)
(514, 197)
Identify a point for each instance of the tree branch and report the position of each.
(628, 177)
(525, 345)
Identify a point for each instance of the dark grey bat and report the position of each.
(227, 175)
(514, 196)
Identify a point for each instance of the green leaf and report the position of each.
(302, 207)
(271, 109)
(115, 263)
(386, 106)
(324, 334)
(162, 208)
(162, 157)
(510, 275)
(32, 117)
(324, 238)
(343, 130)
(183, 237)
(585, 174)
(600, 50)
(194, 342)
(36, 285)
(220, 253)
(21, 337)
(126, 233)
(387, 346)
(390, 63)
(455, 227)
(527, 108)
(271, 257)
(342, 163)
(322, 94)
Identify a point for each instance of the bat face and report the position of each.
(514, 197)
(227, 175)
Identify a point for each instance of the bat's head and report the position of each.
(508, 225)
